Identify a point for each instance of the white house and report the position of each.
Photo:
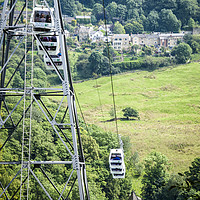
(84, 33)
(104, 28)
(96, 36)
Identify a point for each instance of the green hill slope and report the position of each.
(168, 101)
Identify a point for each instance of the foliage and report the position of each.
(45, 145)
(193, 178)
(118, 28)
(111, 10)
(182, 52)
(125, 66)
(98, 11)
(152, 22)
(148, 63)
(96, 63)
(134, 27)
(195, 47)
(169, 21)
(155, 170)
(130, 112)
(112, 53)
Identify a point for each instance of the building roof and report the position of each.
(121, 35)
(83, 17)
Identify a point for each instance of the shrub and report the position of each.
(130, 112)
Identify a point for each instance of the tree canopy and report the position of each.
(182, 52)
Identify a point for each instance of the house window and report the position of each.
(125, 38)
(115, 38)
(120, 38)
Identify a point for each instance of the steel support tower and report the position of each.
(28, 95)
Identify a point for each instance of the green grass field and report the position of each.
(168, 101)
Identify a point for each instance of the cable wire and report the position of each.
(111, 76)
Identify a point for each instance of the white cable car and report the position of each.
(56, 59)
(42, 18)
(50, 42)
(116, 162)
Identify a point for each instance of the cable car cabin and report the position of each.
(116, 162)
(56, 59)
(51, 43)
(42, 18)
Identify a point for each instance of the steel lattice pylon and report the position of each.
(30, 95)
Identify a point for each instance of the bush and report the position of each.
(125, 66)
(149, 63)
(182, 53)
(130, 112)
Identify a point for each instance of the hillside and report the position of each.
(167, 101)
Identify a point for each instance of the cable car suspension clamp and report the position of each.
(75, 162)
(65, 88)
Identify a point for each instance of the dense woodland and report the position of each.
(136, 16)
(140, 15)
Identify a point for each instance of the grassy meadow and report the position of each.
(168, 102)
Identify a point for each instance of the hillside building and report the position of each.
(120, 41)
(170, 40)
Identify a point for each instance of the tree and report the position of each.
(191, 23)
(186, 10)
(130, 112)
(193, 175)
(83, 71)
(188, 38)
(155, 173)
(95, 64)
(152, 22)
(134, 27)
(121, 11)
(147, 50)
(195, 47)
(135, 47)
(168, 21)
(98, 11)
(112, 52)
(172, 188)
(69, 7)
(118, 28)
(182, 53)
(111, 10)
(88, 3)
(132, 8)
(69, 41)
(158, 5)
(40, 74)
(17, 81)
(190, 186)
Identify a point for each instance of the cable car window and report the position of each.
(48, 39)
(42, 16)
(56, 63)
(49, 48)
